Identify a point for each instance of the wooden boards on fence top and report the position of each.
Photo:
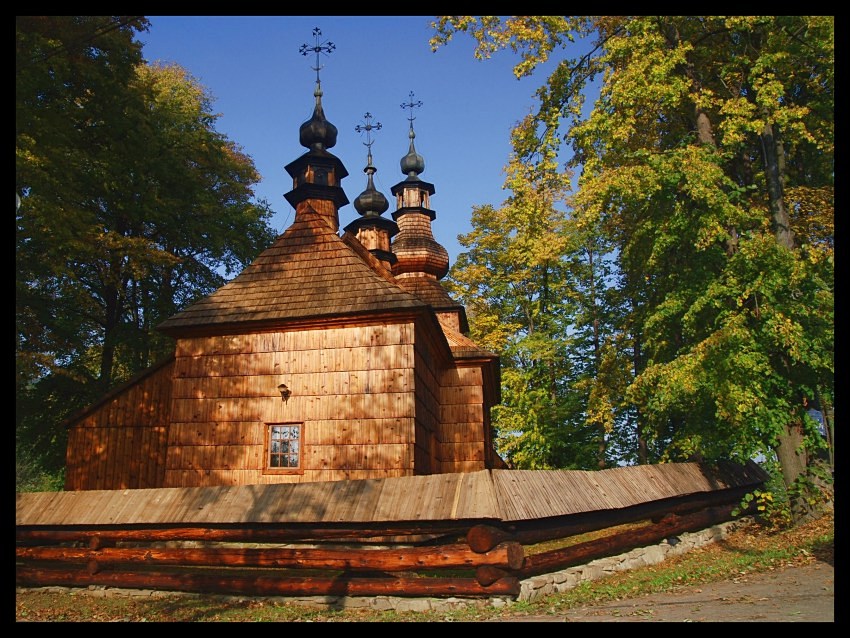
(502, 495)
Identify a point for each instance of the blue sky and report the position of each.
(263, 88)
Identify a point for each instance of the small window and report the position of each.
(283, 447)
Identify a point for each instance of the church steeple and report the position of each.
(372, 230)
(317, 174)
(413, 163)
(421, 260)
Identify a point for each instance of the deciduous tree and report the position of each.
(707, 162)
(131, 205)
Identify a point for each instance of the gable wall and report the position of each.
(352, 388)
(121, 444)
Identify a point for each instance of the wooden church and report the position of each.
(336, 354)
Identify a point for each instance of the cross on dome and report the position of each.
(326, 47)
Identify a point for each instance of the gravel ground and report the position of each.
(804, 593)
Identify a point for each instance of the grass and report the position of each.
(751, 549)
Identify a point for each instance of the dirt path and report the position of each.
(803, 593)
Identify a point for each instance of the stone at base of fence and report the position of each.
(530, 588)
(563, 580)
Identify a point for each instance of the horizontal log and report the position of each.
(487, 575)
(507, 555)
(583, 553)
(540, 531)
(264, 585)
(117, 534)
(483, 538)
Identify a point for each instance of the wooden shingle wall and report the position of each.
(121, 443)
(427, 370)
(351, 387)
(462, 420)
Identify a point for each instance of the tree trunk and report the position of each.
(642, 449)
(597, 356)
(779, 213)
(791, 453)
(790, 450)
(110, 324)
(826, 414)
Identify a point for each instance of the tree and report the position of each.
(132, 205)
(710, 142)
(518, 288)
(66, 67)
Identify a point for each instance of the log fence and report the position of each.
(475, 559)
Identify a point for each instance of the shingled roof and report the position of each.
(310, 271)
(430, 290)
(464, 347)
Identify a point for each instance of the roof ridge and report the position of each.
(283, 283)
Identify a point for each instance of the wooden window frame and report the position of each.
(267, 449)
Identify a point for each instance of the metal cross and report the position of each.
(369, 127)
(411, 105)
(318, 49)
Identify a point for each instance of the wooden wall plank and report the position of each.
(161, 454)
(462, 452)
(134, 454)
(74, 458)
(463, 395)
(89, 459)
(301, 361)
(461, 466)
(461, 432)
(461, 414)
(110, 442)
(382, 333)
(218, 433)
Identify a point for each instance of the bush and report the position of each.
(30, 476)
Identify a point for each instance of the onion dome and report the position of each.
(371, 202)
(418, 253)
(413, 163)
(372, 230)
(317, 133)
(317, 174)
(420, 259)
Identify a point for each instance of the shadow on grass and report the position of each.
(824, 551)
(204, 608)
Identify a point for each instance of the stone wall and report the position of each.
(560, 581)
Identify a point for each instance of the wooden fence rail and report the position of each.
(475, 561)
(455, 556)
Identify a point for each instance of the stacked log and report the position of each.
(479, 560)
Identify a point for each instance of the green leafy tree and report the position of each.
(707, 163)
(131, 205)
(516, 285)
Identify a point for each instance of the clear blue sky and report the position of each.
(263, 88)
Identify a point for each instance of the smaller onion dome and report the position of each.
(371, 202)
